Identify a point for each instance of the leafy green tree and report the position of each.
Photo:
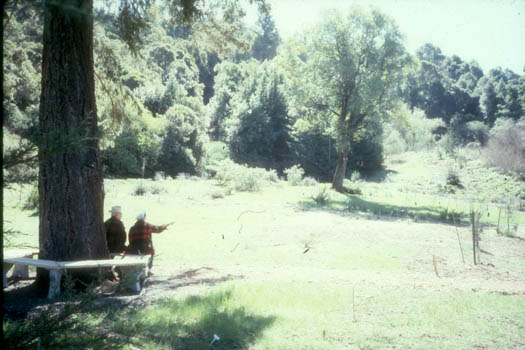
(430, 53)
(133, 155)
(357, 62)
(489, 100)
(500, 97)
(185, 136)
(444, 87)
(229, 81)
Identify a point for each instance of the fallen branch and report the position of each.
(234, 248)
(247, 211)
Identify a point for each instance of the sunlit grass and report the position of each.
(355, 273)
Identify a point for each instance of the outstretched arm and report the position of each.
(159, 229)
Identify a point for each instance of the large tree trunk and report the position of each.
(70, 177)
(2, 7)
(340, 171)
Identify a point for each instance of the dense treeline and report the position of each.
(461, 95)
(177, 106)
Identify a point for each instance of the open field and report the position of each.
(274, 270)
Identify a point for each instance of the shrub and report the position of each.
(32, 201)
(351, 188)
(453, 179)
(249, 179)
(240, 177)
(156, 189)
(447, 145)
(453, 216)
(309, 181)
(140, 190)
(394, 143)
(159, 176)
(183, 176)
(224, 171)
(294, 175)
(322, 197)
(217, 195)
(355, 177)
(477, 131)
(473, 131)
(272, 176)
(215, 152)
(505, 148)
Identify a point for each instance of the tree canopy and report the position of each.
(356, 62)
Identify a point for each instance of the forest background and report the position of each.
(181, 106)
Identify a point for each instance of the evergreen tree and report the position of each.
(262, 137)
(69, 158)
(266, 43)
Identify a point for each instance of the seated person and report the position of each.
(140, 241)
(115, 231)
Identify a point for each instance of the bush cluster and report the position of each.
(240, 177)
(294, 175)
(505, 148)
(141, 189)
(351, 188)
(453, 179)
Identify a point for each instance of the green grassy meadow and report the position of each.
(275, 270)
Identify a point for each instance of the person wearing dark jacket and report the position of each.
(115, 231)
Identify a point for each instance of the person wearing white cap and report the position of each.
(115, 231)
(140, 241)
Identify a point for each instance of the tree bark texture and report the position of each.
(2, 7)
(70, 175)
(340, 171)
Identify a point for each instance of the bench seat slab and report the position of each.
(132, 267)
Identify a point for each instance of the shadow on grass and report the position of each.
(380, 175)
(95, 322)
(191, 277)
(356, 204)
(192, 323)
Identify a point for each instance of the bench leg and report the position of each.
(54, 283)
(22, 271)
(133, 277)
(7, 266)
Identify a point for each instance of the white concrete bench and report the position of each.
(132, 267)
(19, 270)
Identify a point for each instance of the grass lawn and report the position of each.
(275, 270)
